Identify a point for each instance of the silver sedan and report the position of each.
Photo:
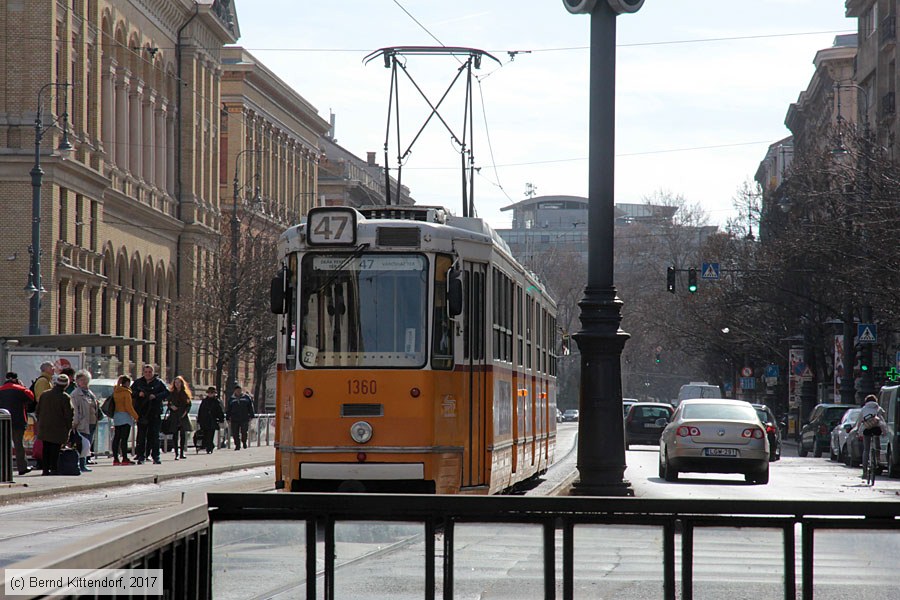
(714, 436)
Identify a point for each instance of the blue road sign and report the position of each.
(709, 271)
(772, 371)
(867, 333)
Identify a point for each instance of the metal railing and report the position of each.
(678, 520)
(184, 542)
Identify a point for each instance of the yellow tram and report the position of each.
(414, 355)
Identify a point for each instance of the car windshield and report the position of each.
(834, 414)
(651, 412)
(763, 415)
(850, 416)
(729, 412)
(367, 310)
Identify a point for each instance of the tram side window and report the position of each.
(520, 350)
(442, 336)
(290, 323)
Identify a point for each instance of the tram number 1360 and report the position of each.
(361, 386)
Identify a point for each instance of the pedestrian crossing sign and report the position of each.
(866, 333)
(710, 271)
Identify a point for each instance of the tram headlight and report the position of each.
(361, 432)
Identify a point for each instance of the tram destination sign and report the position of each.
(369, 262)
(331, 226)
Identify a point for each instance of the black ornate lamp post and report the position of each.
(35, 287)
(235, 257)
(601, 435)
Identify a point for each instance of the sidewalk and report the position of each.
(104, 474)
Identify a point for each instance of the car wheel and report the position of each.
(801, 450)
(670, 474)
(817, 449)
(831, 455)
(662, 469)
(845, 454)
(762, 477)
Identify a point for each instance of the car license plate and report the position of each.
(720, 452)
(650, 425)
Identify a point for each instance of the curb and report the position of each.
(32, 494)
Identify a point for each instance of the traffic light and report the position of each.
(670, 280)
(658, 359)
(692, 280)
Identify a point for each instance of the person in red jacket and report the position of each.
(15, 398)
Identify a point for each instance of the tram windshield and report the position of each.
(363, 310)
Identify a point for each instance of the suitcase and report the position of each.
(68, 462)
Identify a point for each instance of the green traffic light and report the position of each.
(863, 367)
(692, 288)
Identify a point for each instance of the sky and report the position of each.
(702, 88)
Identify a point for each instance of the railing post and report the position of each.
(790, 566)
(687, 560)
(549, 560)
(669, 560)
(806, 554)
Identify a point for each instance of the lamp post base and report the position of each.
(619, 488)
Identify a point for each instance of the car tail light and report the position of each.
(685, 431)
(307, 392)
(753, 432)
(770, 429)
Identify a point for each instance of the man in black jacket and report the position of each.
(148, 392)
(240, 411)
(15, 398)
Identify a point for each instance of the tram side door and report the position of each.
(475, 359)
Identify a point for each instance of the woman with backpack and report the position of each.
(124, 418)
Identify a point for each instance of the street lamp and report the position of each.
(35, 287)
(235, 257)
(601, 431)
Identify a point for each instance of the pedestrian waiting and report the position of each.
(124, 419)
(86, 409)
(209, 417)
(179, 424)
(240, 412)
(16, 398)
(55, 417)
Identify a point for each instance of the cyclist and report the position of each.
(871, 422)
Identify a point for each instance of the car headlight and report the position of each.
(361, 432)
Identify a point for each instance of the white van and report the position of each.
(698, 389)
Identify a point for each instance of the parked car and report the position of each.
(571, 415)
(626, 404)
(559, 416)
(889, 399)
(642, 423)
(773, 432)
(837, 451)
(815, 435)
(714, 436)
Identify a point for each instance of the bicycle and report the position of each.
(872, 461)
